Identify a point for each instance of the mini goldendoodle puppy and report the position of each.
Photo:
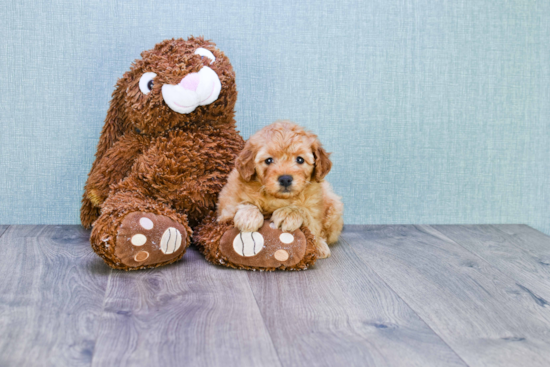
(280, 173)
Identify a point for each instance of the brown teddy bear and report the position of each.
(167, 147)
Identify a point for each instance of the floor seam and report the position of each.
(480, 257)
(405, 302)
(7, 227)
(514, 242)
(263, 320)
(101, 315)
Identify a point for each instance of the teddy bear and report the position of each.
(165, 151)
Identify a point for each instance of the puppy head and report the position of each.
(284, 158)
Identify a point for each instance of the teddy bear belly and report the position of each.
(187, 170)
(193, 194)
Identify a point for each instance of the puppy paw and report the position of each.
(323, 251)
(248, 218)
(287, 219)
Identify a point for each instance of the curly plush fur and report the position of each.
(208, 236)
(155, 160)
(158, 172)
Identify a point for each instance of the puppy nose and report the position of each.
(191, 81)
(285, 180)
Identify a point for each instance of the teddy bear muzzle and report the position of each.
(195, 89)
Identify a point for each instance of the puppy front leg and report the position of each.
(288, 218)
(323, 251)
(322, 248)
(248, 218)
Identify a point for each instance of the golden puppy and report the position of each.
(280, 172)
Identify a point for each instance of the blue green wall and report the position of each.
(436, 111)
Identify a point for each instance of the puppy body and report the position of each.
(280, 173)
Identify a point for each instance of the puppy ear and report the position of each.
(322, 162)
(245, 163)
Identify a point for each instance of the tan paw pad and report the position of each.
(281, 255)
(146, 223)
(141, 256)
(286, 237)
(170, 241)
(138, 240)
(248, 243)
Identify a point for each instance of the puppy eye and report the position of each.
(300, 160)
(268, 161)
(205, 53)
(146, 82)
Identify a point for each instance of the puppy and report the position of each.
(280, 172)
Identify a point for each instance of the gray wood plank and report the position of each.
(190, 313)
(536, 243)
(480, 312)
(517, 254)
(51, 293)
(340, 313)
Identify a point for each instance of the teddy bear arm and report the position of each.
(113, 167)
(88, 212)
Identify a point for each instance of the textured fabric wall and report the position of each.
(437, 112)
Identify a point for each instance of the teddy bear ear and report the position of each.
(115, 123)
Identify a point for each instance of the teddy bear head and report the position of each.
(178, 83)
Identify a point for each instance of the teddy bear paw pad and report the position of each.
(248, 243)
(148, 239)
(268, 248)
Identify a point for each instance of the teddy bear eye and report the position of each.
(268, 161)
(300, 160)
(205, 53)
(146, 82)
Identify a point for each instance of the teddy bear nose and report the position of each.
(191, 81)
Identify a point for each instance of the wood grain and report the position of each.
(50, 296)
(389, 296)
(190, 313)
(522, 253)
(535, 243)
(340, 313)
(483, 314)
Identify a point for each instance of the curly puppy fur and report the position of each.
(153, 159)
(280, 172)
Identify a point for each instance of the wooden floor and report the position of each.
(388, 296)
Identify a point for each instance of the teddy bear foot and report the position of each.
(269, 248)
(147, 240)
